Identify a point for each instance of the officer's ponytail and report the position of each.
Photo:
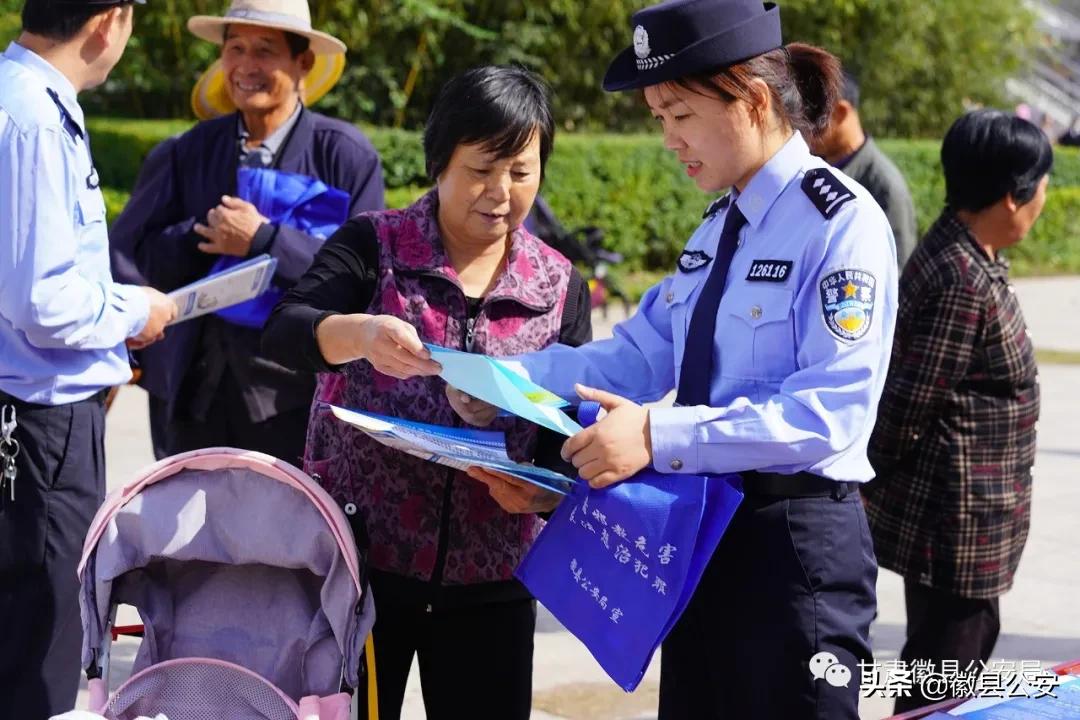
(804, 82)
(818, 77)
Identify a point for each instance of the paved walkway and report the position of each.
(1039, 621)
(1052, 311)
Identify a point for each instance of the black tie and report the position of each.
(697, 362)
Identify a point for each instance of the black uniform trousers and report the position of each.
(476, 660)
(228, 424)
(944, 626)
(791, 578)
(60, 484)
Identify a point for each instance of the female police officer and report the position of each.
(776, 330)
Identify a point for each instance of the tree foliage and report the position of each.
(920, 61)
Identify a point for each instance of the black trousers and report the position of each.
(791, 578)
(475, 661)
(227, 424)
(943, 626)
(60, 484)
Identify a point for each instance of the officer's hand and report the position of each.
(513, 495)
(230, 227)
(472, 410)
(616, 447)
(393, 347)
(162, 312)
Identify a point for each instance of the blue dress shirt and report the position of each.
(63, 321)
(797, 378)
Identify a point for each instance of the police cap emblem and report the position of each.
(847, 302)
(641, 42)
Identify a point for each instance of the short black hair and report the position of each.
(298, 44)
(59, 20)
(849, 88)
(498, 106)
(989, 154)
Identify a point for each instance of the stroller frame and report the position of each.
(127, 552)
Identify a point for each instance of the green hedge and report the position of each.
(634, 189)
(920, 161)
(1053, 246)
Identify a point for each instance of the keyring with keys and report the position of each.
(9, 450)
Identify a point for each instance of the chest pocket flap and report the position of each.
(757, 306)
(90, 207)
(683, 285)
(759, 332)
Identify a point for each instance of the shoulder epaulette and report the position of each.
(70, 125)
(716, 206)
(826, 192)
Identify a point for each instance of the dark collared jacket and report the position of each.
(153, 243)
(955, 436)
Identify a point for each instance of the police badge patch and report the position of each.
(847, 302)
(691, 260)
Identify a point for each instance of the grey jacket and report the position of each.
(872, 169)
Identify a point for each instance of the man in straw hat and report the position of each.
(209, 383)
(63, 327)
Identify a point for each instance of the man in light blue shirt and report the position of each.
(63, 328)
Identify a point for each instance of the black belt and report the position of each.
(798, 485)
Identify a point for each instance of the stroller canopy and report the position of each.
(235, 556)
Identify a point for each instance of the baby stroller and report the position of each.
(581, 246)
(248, 581)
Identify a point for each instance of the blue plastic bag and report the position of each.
(618, 566)
(299, 201)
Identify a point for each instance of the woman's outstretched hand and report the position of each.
(473, 411)
(616, 447)
(390, 344)
(394, 348)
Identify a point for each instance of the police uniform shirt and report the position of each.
(63, 321)
(803, 335)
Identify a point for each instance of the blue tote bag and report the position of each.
(299, 201)
(618, 566)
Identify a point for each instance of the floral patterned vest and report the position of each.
(404, 501)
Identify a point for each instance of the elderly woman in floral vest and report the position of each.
(455, 269)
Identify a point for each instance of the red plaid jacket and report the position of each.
(955, 436)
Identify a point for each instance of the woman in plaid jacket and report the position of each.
(955, 436)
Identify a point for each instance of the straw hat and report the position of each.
(289, 15)
(209, 97)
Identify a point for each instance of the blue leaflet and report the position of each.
(490, 380)
(226, 288)
(459, 448)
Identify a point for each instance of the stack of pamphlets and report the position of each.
(493, 381)
(459, 448)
